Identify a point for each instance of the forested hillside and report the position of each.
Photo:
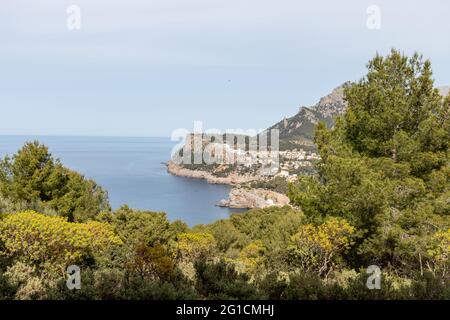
(381, 196)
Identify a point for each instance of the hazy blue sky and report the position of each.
(147, 67)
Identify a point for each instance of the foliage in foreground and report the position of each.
(33, 180)
(186, 264)
(385, 168)
(381, 197)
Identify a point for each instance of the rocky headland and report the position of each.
(297, 152)
(232, 179)
(245, 198)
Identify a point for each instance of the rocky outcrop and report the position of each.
(298, 131)
(333, 104)
(231, 179)
(242, 198)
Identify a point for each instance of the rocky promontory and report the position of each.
(244, 198)
(231, 179)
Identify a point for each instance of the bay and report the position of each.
(133, 172)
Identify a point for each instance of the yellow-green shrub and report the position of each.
(315, 248)
(192, 247)
(38, 239)
(439, 253)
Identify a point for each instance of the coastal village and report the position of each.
(250, 173)
(259, 178)
(290, 163)
(287, 164)
(295, 162)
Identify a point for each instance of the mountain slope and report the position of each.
(298, 131)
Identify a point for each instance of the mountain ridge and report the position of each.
(297, 132)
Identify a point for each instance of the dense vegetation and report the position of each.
(381, 196)
(277, 184)
(32, 179)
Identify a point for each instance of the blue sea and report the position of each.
(133, 172)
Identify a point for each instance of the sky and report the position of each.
(150, 67)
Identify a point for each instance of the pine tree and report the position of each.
(385, 165)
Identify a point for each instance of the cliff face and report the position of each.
(241, 198)
(298, 131)
(232, 179)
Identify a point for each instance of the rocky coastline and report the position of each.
(232, 179)
(239, 197)
(247, 198)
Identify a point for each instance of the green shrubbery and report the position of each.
(33, 179)
(380, 197)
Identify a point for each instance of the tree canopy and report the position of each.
(34, 179)
(385, 165)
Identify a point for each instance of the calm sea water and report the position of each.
(133, 172)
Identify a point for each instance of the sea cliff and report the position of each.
(231, 179)
(244, 198)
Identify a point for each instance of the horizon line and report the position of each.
(80, 136)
